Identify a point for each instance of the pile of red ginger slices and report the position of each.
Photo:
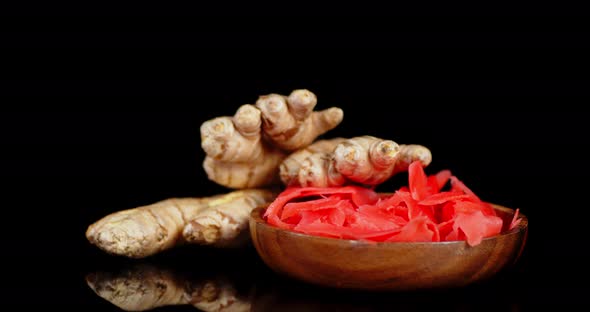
(421, 212)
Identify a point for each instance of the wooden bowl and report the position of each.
(386, 266)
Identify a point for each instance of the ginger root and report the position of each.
(245, 151)
(290, 122)
(236, 156)
(365, 160)
(147, 230)
(145, 288)
(291, 167)
(262, 144)
(222, 225)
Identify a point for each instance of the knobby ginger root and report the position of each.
(306, 157)
(366, 160)
(245, 151)
(147, 230)
(410, 153)
(145, 288)
(290, 122)
(236, 155)
(369, 160)
(222, 225)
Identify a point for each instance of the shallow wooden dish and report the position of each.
(386, 266)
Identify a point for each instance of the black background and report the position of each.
(104, 115)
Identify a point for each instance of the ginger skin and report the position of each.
(147, 230)
(145, 288)
(290, 122)
(245, 151)
(365, 160)
(298, 166)
(236, 156)
(221, 225)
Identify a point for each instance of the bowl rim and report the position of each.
(256, 216)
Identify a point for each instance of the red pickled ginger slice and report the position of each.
(457, 185)
(438, 181)
(419, 229)
(415, 210)
(515, 220)
(418, 213)
(359, 196)
(292, 209)
(418, 181)
(390, 214)
(477, 226)
(443, 197)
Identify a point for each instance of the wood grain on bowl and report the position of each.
(385, 266)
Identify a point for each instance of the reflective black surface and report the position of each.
(239, 281)
(52, 264)
(214, 280)
(64, 169)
